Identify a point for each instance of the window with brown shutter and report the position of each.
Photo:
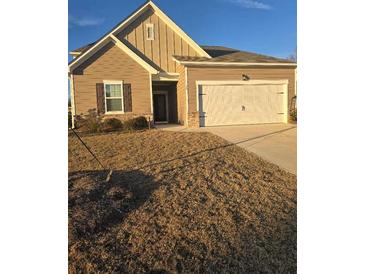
(100, 101)
(127, 97)
(113, 95)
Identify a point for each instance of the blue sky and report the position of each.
(262, 26)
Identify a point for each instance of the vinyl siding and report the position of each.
(111, 63)
(160, 50)
(206, 73)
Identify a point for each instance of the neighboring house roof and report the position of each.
(83, 48)
(215, 51)
(90, 49)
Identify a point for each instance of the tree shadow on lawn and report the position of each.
(223, 146)
(96, 209)
(257, 242)
(95, 205)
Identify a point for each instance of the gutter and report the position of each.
(240, 64)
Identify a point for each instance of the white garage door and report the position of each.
(242, 103)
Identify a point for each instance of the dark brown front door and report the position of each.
(159, 107)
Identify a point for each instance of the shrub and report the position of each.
(136, 123)
(91, 122)
(112, 124)
(293, 114)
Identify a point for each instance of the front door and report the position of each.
(160, 107)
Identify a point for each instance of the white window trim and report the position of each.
(150, 25)
(111, 82)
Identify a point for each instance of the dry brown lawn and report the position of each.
(178, 203)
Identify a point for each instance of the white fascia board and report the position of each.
(225, 64)
(81, 59)
(122, 46)
(133, 55)
(126, 23)
(163, 77)
(102, 41)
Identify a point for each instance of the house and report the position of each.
(147, 65)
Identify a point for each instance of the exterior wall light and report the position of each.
(245, 77)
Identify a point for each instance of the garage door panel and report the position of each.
(242, 104)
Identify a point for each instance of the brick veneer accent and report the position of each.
(193, 119)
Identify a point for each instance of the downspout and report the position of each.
(151, 94)
(186, 98)
(295, 90)
(73, 110)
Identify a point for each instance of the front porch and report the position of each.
(164, 98)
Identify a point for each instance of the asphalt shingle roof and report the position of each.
(223, 54)
(219, 54)
(84, 48)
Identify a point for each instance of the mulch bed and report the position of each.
(178, 203)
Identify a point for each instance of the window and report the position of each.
(113, 96)
(150, 32)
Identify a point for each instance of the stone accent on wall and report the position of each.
(193, 119)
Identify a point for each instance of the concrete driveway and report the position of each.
(276, 143)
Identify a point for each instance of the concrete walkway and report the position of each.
(276, 143)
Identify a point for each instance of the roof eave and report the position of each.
(122, 47)
(106, 36)
(241, 64)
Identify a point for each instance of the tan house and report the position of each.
(148, 66)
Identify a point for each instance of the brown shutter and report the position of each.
(127, 97)
(100, 101)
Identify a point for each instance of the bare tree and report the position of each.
(293, 56)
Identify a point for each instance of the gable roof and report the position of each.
(89, 50)
(223, 55)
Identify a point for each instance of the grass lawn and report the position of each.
(178, 203)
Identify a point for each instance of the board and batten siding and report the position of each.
(221, 74)
(166, 42)
(111, 63)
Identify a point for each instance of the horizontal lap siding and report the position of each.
(112, 64)
(217, 74)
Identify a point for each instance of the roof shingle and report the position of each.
(219, 54)
(84, 48)
(223, 54)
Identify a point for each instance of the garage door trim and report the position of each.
(241, 82)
